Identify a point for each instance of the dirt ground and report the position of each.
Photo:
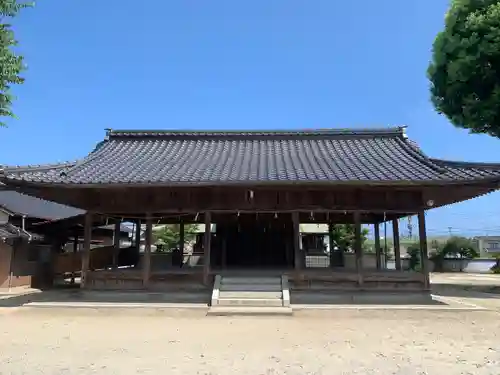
(489, 283)
(57, 341)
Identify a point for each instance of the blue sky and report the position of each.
(234, 65)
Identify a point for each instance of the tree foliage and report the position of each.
(465, 68)
(454, 247)
(460, 246)
(11, 64)
(168, 237)
(413, 251)
(496, 266)
(344, 236)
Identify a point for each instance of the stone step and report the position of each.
(251, 287)
(250, 280)
(250, 294)
(249, 311)
(257, 302)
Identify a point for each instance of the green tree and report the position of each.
(11, 64)
(413, 251)
(465, 68)
(455, 246)
(168, 236)
(496, 266)
(460, 246)
(343, 236)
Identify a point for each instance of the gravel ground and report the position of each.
(335, 342)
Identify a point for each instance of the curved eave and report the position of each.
(467, 164)
(34, 168)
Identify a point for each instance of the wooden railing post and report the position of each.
(422, 234)
(146, 264)
(296, 243)
(87, 237)
(116, 244)
(397, 248)
(357, 247)
(378, 253)
(206, 249)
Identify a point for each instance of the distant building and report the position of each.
(489, 246)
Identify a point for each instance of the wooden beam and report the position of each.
(87, 237)
(395, 240)
(116, 244)
(378, 252)
(297, 259)
(358, 247)
(225, 198)
(423, 248)
(206, 249)
(146, 264)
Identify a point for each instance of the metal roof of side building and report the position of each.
(25, 205)
(327, 156)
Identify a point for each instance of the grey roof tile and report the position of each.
(22, 204)
(255, 157)
(8, 230)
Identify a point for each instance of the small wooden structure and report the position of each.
(33, 233)
(257, 187)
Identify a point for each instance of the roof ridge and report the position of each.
(257, 132)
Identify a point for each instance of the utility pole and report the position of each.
(449, 231)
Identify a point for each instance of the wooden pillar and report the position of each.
(224, 252)
(181, 237)
(138, 235)
(116, 244)
(206, 248)
(357, 247)
(378, 252)
(75, 249)
(331, 245)
(146, 261)
(422, 234)
(181, 243)
(397, 247)
(87, 237)
(297, 259)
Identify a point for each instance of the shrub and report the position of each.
(496, 267)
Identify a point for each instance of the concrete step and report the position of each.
(250, 280)
(250, 294)
(257, 302)
(249, 311)
(251, 287)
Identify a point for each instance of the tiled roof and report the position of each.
(22, 204)
(255, 157)
(8, 230)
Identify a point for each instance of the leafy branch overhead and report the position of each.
(465, 68)
(11, 64)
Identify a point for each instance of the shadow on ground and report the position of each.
(458, 290)
(364, 298)
(131, 297)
